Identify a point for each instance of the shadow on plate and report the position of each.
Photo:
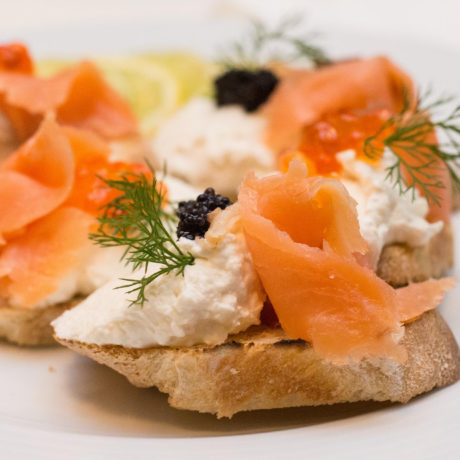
(125, 410)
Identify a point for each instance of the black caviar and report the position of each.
(245, 88)
(193, 214)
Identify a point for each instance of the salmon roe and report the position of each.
(323, 140)
(90, 193)
(15, 57)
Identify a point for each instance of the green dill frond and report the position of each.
(138, 220)
(281, 43)
(418, 160)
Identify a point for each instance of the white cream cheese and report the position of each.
(384, 215)
(179, 190)
(215, 147)
(219, 295)
(99, 265)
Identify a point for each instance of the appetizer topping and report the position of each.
(49, 195)
(36, 263)
(92, 167)
(249, 89)
(138, 220)
(78, 97)
(304, 238)
(216, 146)
(53, 186)
(35, 179)
(385, 217)
(15, 57)
(322, 141)
(248, 80)
(303, 98)
(419, 161)
(193, 214)
(220, 294)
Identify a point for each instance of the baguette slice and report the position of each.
(262, 368)
(400, 264)
(31, 326)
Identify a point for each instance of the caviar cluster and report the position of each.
(245, 88)
(193, 214)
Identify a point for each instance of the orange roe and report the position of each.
(90, 193)
(322, 141)
(15, 57)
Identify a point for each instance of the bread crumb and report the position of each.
(51, 369)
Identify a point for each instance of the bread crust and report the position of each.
(263, 369)
(399, 264)
(455, 199)
(31, 326)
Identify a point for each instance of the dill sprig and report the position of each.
(418, 158)
(138, 220)
(257, 48)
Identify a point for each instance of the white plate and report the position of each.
(56, 404)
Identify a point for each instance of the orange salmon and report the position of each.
(78, 96)
(303, 235)
(35, 179)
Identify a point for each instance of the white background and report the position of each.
(433, 20)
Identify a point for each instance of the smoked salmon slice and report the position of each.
(35, 179)
(79, 97)
(50, 191)
(304, 97)
(303, 235)
(86, 146)
(33, 264)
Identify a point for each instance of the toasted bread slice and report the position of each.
(31, 326)
(399, 265)
(262, 369)
(456, 199)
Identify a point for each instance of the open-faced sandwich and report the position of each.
(318, 284)
(60, 137)
(314, 279)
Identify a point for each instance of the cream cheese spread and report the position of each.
(214, 147)
(385, 216)
(219, 295)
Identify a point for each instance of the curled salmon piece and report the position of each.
(303, 235)
(79, 97)
(304, 97)
(35, 179)
(33, 264)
